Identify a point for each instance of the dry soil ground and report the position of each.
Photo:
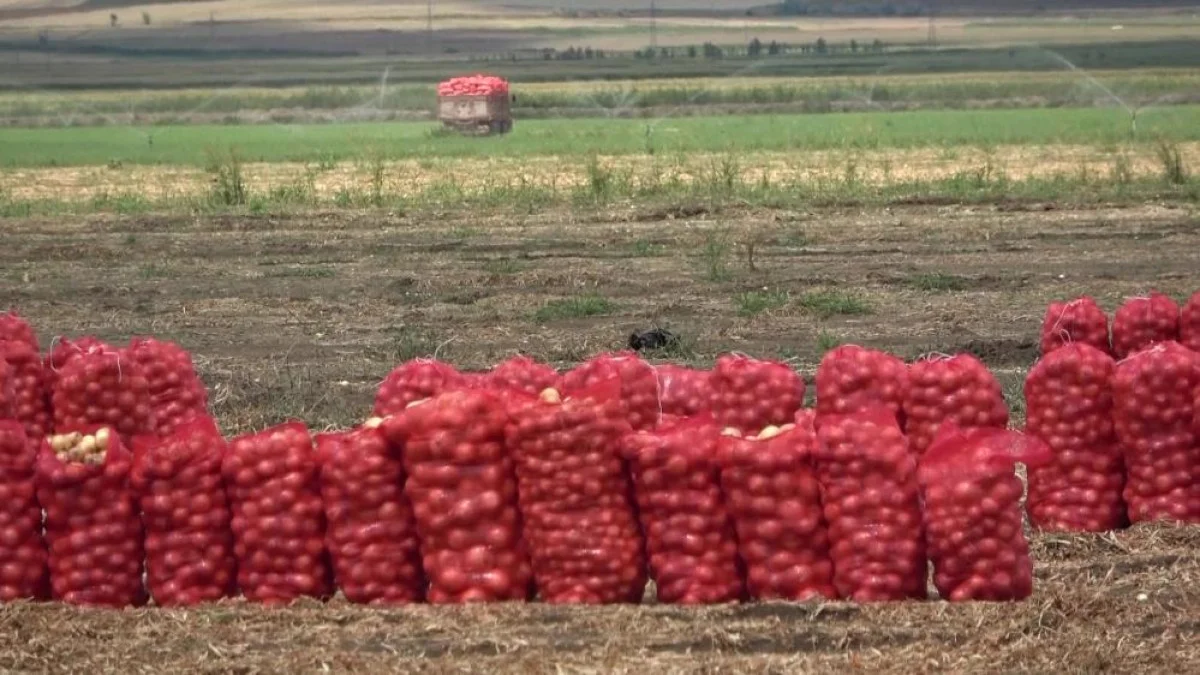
(302, 315)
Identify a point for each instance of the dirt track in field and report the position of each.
(301, 315)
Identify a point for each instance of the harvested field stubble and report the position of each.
(629, 175)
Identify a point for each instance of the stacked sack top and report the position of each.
(473, 85)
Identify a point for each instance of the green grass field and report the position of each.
(194, 144)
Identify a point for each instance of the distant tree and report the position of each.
(599, 53)
(113, 20)
(589, 54)
(44, 37)
(854, 46)
(754, 48)
(774, 49)
(877, 46)
(665, 53)
(712, 51)
(691, 51)
(822, 47)
(146, 18)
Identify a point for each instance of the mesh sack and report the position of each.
(23, 571)
(414, 381)
(278, 521)
(748, 394)
(370, 532)
(1078, 321)
(871, 501)
(852, 379)
(959, 389)
(690, 541)
(186, 515)
(770, 486)
(464, 496)
(93, 530)
(973, 515)
(176, 392)
(1068, 406)
(639, 384)
(576, 496)
(1154, 394)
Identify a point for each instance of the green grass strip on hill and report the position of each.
(195, 144)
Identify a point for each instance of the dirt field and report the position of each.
(302, 315)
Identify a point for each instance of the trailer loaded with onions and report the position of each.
(475, 105)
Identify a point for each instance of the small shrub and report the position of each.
(752, 303)
(716, 256)
(825, 304)
(1174, 169)
(574, 308)
(828, 341)
(229, 185)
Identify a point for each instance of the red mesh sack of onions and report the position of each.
(176, 392)
(93, 529)
(25, 382)
(278, 522)
(189, 540)
(370, 533)
(1068, 401)
(1153, 404)
(576, 497)
(102, 386)
(639, 384)
(63, 350)
(1142, 322)
(1079, 321)
(851, 379)
(871, 501)
(748, 394)
(464, 496)
(13, 328)
(959, 389)
(973, 516)
(772, 494)
(1189, 323)
(413, 381)
(690, 540)
(522, 374)
(6, 390)
(684, 391)
(23, 572)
